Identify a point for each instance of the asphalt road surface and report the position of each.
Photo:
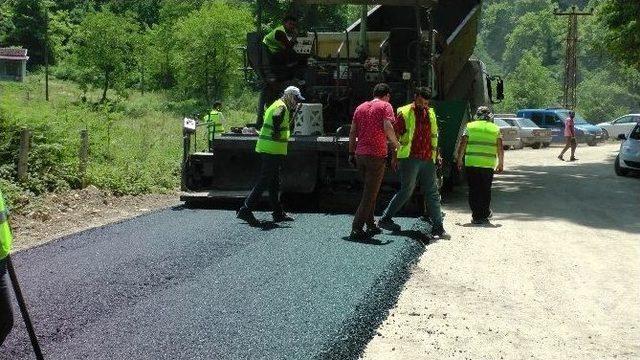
(197, 284)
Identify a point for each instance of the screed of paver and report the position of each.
(557, 278)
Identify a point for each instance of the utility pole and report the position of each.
(571, 60)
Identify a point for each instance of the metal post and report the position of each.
(23, 309)
(571, 59)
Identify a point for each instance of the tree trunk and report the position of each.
(106, 87)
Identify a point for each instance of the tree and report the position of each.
(103, 49)
(530, 85)
(206, 49)
(29, 26)
(622, 20)
(603, 97)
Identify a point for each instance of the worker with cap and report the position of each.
(6, 314)
(272, 146)
(417, 128)
(481, 148)
(214, 122)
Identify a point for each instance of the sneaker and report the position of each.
(388, 224)
(573, 159)
(560, 157)
(358, 235)
(440, 232)
(281, 217)
(373, 230)
(478, 221)
(245, 214)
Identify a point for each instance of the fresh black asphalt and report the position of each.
(198, 284)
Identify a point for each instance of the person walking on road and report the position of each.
(481, 148)
(272, 146)
(570, 137)
(372, 126)
(6, 314)
(417, 127)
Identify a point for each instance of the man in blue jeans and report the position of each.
(417, 128)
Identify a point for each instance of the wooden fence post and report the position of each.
(84, 155)
(23, 154)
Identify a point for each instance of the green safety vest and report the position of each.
(482, 147)
(409, 115)
(5, 232)
(270, 41)
(214, 119)
(266, 143)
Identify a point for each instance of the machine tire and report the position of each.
(536, 145)
(546, 145)
(619, 170)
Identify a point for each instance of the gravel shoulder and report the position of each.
(557, 277)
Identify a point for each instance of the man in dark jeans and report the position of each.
(6, 314)
(371, 127)
(272, 146)
(483, 153)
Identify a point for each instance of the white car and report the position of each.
(530, 134)
(510, 138)
(621, 125)
(629, 157)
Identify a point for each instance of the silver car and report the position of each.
(510, 138)
(629, 157)
(530, 134)
(621, 125)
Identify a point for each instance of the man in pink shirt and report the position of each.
(371, 127)
(570, 137)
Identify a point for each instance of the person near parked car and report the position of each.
(482, 151)
(371, 127)
(417, 128)
(570, 137)
(272, 146)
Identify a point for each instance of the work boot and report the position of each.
(358, 235)
(373, 230)
(479, 221)
(388, 224)
(281, 216)
(245, 214)
(573, 159)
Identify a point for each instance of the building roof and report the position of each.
(13, 54)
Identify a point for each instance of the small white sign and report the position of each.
(189, 124)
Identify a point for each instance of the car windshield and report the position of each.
(526, 123)
(576, 120)
(635, 133)
(500, 122)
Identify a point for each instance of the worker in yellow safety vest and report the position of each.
(481, 147)
(417, 129)
(272, 145)
(214, 122)
(6, 314)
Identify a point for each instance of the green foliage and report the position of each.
(206, 56)
(622, 20)
(601, 97)
(28, 29)
(103, 48)
(530, 85)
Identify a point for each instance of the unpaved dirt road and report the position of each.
(558, 277)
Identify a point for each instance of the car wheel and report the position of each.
(537, 145)
(592, 143)
(546, 144)
(619, 170)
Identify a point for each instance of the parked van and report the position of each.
(553, 118)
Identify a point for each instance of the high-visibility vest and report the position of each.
(5, 232)
(214, 119)
(409, 115)
(482, 144)
(266, 143)
(270, 41)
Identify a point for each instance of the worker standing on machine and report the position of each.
(272, 145)
(6, 314)
(417, 127)
(214, 122)
(481, 146)
(282, 60)
(371, 127)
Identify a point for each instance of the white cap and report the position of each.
(292, 90)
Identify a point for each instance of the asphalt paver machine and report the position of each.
(404, 43)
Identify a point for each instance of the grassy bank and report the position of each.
(135, 142)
